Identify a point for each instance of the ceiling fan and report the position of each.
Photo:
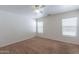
(38, 8)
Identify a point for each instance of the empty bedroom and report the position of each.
(39, 29)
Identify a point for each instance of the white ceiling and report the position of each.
(54, 9)
(27, 10)
(17, 9)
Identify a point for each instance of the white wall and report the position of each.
(14, 28)
(53, 27)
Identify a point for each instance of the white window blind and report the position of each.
(69, 26)
(40, 27)
(34, 25)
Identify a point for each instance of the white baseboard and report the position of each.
(12, 42)
(61, 39)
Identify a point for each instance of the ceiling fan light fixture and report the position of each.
(37, 11)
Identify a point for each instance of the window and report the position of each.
(40, 27)
(69, 26)
(34, 25)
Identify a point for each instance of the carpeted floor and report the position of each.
(39, 45)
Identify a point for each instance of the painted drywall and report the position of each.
(52, 27)
(14, 28)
